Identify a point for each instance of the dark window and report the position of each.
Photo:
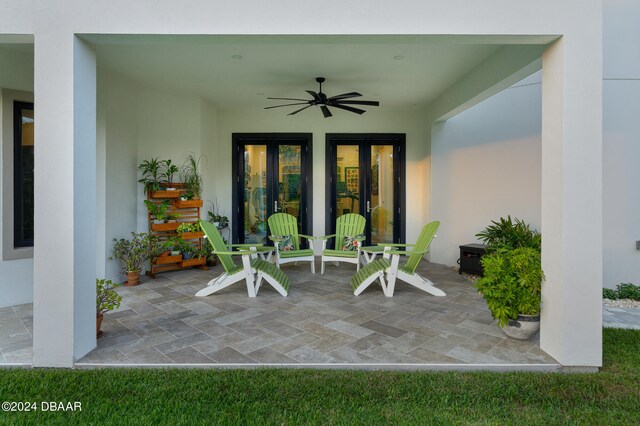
(23, 174)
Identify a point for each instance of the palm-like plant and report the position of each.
(150, 174)
(190, 175)
(510, 234)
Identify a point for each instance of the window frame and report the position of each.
(18, 187)
(7, 142)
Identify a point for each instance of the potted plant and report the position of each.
(151, 174)
(158, 210)
(107, 299)
(512, 281)
(167, 174)
(133, 253)
(215, 217)
(191, 177)
(186, 248)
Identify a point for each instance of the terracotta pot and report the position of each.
(133, 278)
(98, 325)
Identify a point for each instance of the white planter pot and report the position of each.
(523, 328)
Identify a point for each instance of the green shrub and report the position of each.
(512, 283)
(510, 234)
(609, 293)
(107, 299)
(628, 291)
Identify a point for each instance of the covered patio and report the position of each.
(116, 89)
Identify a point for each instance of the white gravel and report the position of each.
(622, 303)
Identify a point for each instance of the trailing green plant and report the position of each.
(169, 171)
(133, 252)
(622, 291)
(181, 245)
(188, 227)
(510, 234)
(512, 282)
(190, 175)
(107, 298)
(158, 210)
(151, 174)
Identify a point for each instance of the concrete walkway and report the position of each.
(615, 317)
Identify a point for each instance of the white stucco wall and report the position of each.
(16, 276)
(486, 164)
(621, 139)
(140, 123)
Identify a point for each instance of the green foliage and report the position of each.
(188, 227)
(107, 299)
(151, 174)
(512, 282)
(609, 293)
(623, 291)
(215, 216)
(169, 171)
(190, 175)
(134, 252)
(510, 234)
(628, 291)
(181, 245)
(158, 210)
(270, 396)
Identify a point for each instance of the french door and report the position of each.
(271, 173)
(366, 174)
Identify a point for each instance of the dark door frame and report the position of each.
(239, 140)
(399, 165)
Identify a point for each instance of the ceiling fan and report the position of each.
(339, 101)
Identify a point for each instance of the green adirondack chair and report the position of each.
(251, 265)
(388, 267)
(349, 229)
(284, 228)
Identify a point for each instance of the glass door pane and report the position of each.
(255, 194)
(289, 181)
(382, 194)
(347, 179)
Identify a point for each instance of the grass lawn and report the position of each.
(271, 396)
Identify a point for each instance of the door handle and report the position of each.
(275, 206)
(368, 206)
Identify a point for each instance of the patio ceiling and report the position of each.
(241, 71)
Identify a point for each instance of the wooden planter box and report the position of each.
(164, 226)
(193, 262)
(186, 204)
(165, 194)
(191, 235)
(163, 260)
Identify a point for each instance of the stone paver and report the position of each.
(320, 321)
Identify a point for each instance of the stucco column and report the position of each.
(572, 200)
(65, 201)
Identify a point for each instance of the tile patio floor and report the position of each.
(320, 322)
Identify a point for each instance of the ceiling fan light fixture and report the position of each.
(342, 101)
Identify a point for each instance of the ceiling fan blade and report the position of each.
(314, 94)
(326, 111)
(372, 103)
(348, 108)
(278, 106)
(290, 99)
(345, 95)
(297, 111)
